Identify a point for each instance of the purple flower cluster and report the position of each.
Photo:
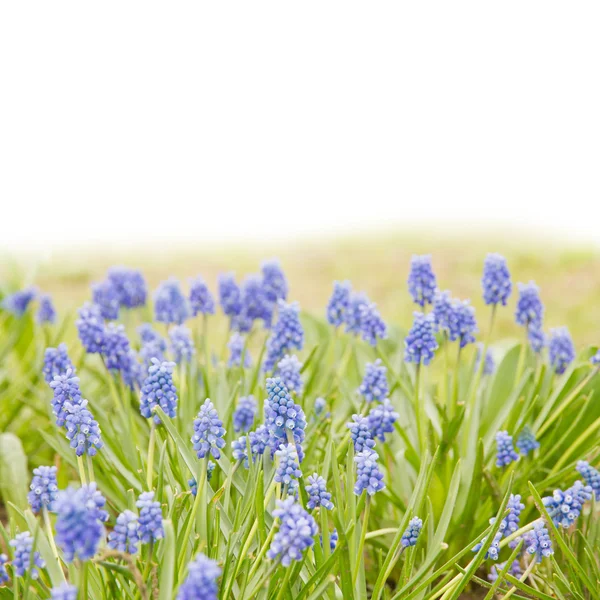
(565, 507)
(83, 430)
(125, 535)
(561, 349)
(368, 475)
(421, 280)
(230, 296)
(159, 390)
(526, 441)
(374, 385)
(360, 433)
(317, 493)
(22, 562)
(461, 323)
(105, 296)
(244, 414)
(411, 535)
(182, 345)
(201, 580)
(538, 542)
(505, 452)
(66, 391)
(18, 302)
(64, 591)
(288, 369)
(442, 308)
(208, 431)
(236, 346)
(590, 475)
(43, 489)
(56, 362)
(530, 310)
(274, 281)
(496, 283)
(90, 326)
(338, 303)
(170, 304)
(46, 312)
(381, 419)
(288, 469)
(420, 343)
(201, 300)
(286, 335)
(150, 519)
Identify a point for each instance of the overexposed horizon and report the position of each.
(131, 124)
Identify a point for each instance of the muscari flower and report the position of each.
(297, 529)
(66, 390)
(239, 449)
(317, 493)
(236, 346)
(515, 570)
(411, 535)
(274, 281)
(590, 475)
(381, 419)
(442, 305)
(530, 310)
(79, 519)
(259, 440)
(105, 295)
(115, 347)
(338, 303)
(420, 343)
(288, 470)
(536, 337)
(561, 349)
(526, 441)
(56, 362)
(150, 350)
(130, 286)
(320, 405)
(360, 433)
(283, 415)
(209, 473)
(374, 385)
(333, 539)
(43, 489)
(23, 545)
(461, 322)
(595, 360)
(372, 326)
(150, 519)
(170, 305)
(509, 525)
(201, 580)
(64, 591)
(18, 302)
(90, 326)
(201, 300)
(208, 431)
(496, 280)
(488, 363)
(353, 312)
(368, 475)
(286, 335)
(505, 452)
(565, 507)
(288, 369)
(182, 345)
(125, 537)
(159, 390)
(148, 334)
(83, 430)
(421, 280)
(244, 414)
(256, 304)
(46, 311)
(539, 543)
(3, 574)
(230, 296)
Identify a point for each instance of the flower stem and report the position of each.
(150, 466)
(81, 470)
(361, 543)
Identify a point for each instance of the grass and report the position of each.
(445, 473)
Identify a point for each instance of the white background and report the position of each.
(125, 122)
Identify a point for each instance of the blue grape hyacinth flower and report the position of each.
(368, 475)
(182, 345)
(208, 431)
(115, 348)
(537, 338)
(201, 300)
(360, 433)
(411, 535)
(83, 430)
(66, 390)
(515, 570)
(590, 475)
(338, 303)
(65, 591)
(130, 286)
(442, 307)
(421, 280)
(170, 304)
(90, 326)
(201, 580)
(317, 493)
(4, 578)
(530, 310)
(372, 326)
(46, 312)
(79, 518)
(288, 469)
(374, 385)
(526, 441)
(297, 529)
(105, 295)
(495, 282)
(259, 440)
(230, 295)
(150, 519)
(320, 406)
(18, 302)
(125, 535)
(287, 334)
(236, 346)
(354, 312)
(462, 324)
(159, 390)
(274, 281)
(43, 489)
(505, 451)
(245, 413)
(256, 304)
(539, 544)
(565, 507)
(595, 360)
(239, 450)
(488, 364)
(561, 349)
(420, 343)
(288, 369)
(56, 362)
(210, 467)
(22, 561)
(381, 419)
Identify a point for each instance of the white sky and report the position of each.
(124, 122)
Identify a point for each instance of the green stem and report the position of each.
(419, 408)
(150, 466)
(455, 378)
(90, 466)
(81, 470)
(522, 355)
(284, 583)
(522, 579)
(361, 543)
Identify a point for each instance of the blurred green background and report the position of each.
(378, 263)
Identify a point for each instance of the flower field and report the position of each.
(185, 442)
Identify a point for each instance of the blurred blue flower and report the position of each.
(461, 322)
(201, 580)
(590, 475)
(256, 304)
(286, 335)
(150, 519)
(56, 362)
(353, 313)
(64, 591)
(496, 280)
(66, 390)
(442, 307)
(420, 343)
(421, 280)
(201, 300)
(46, 311)
(236, 346)
(208, 431)
(244, 414)
(515, 570)
(374, 385)
(125, 535)
(3, 574)
(488, 364)
(381, 419)
(239, 449)
(259, 440)
(23, 545)
(536, 337)
(526, 441)
(274, 281)
(104, 295)
(182, 345)
(230, 296)
(368, 475)
(372, 326)
(338, 303)
(505, 451)
(288, 369)
(90, 326)
(130, 286)
(43, 489)
(18, 302)
(170, 305)
(561, 349)
(210, 467)
(530, 310)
